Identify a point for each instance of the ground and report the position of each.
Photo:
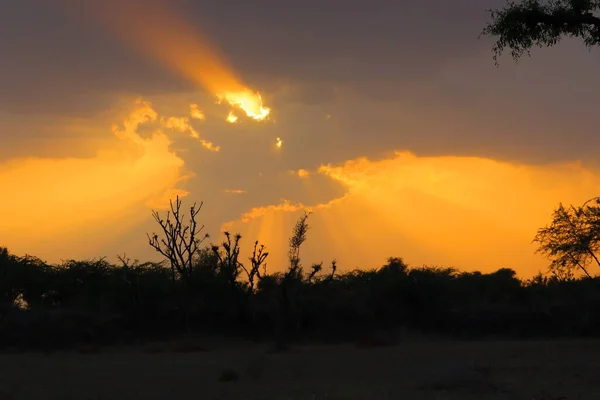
(424, 369)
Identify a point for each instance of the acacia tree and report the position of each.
(572, 240)
(519, 26)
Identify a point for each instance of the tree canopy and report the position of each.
(572, 240)
(519, 26)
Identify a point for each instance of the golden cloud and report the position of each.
(182, 124)
(468, 212)
(196, 113)
(231, 118)
(302, 173)
(48, 202)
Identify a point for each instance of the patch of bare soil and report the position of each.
(204, 369)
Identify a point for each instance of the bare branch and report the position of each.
(180, 241)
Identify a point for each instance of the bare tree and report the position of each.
(180, 242)
(231, 267)
(257, 260)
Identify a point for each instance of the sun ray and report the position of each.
(155, 28)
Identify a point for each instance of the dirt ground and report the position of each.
(548, 370)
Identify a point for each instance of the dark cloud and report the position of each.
(391, 74)
(369, 46)
(371, 38)
(55, 62)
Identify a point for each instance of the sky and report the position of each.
(397, 130)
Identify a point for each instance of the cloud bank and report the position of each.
(467, 212)
(48, 203)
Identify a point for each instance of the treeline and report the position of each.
(210, 289)
(60, 305)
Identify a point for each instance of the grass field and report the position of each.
(549, 370)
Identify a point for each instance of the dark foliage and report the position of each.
(46, 306)
(52, 306)
(572, 240)
(519, 26)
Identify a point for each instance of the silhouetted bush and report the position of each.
(212, 291)
(53, 306)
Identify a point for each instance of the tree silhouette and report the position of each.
(572, 240)
(180, 244)
(181, 241)
(528, 23)
(295, 242)
(93, 301)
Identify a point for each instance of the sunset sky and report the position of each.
(396, 129)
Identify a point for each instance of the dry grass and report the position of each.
(545, 370)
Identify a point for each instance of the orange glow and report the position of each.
(154, 28)
(83, 203)
(248, 101)
(302, 173)
(231, 118)
(279, 142)
(468, 212)
(196, 113)
(182, 124)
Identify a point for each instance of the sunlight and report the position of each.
(429, 209)
(156, 29)
(196, 113)
(248, 101)
(231, 118)
(182, 124)
(101, 196)
(302, 173)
